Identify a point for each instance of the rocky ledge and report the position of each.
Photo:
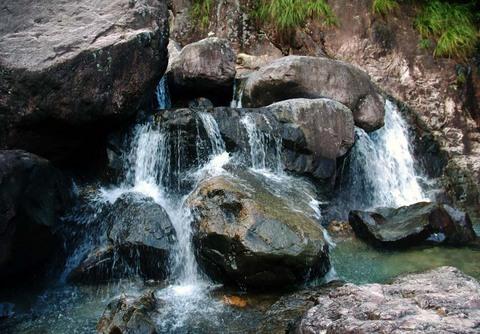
(443, 300)
(69, 66)
(413, 225)
(33, 195)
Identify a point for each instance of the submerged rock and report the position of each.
(33, 196)
(248, 235)
(130, 315)
(316, 77)
(68, 68)
(139, 239)
(412, 225)
(204, 69)
(443, 300)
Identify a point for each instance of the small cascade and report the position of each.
(211, 127)
(265, 146)
(162, 95)
(382, 167)
(237, 95)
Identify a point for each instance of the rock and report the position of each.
(313, 133)
(328, 130)
(204, 69)
(315, 77)
(235, 301)
(140, 237)
(340, 230)
(246, 234)
(287, 312)
(130, 315)
(443, 300)
(310, 135)
(33, 196)
(6, 310)
(412, 225)
(71, 67)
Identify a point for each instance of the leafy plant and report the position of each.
(383, 7)
(451, 26)
(200, 12)
(287, 15)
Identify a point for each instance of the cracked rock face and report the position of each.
(66, 64)
(443, 300)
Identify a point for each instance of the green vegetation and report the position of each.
(287, 15)
(200, 12)
(383, 7)
(451, 26)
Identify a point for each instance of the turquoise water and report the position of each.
(356, 262)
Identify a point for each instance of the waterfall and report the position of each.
(162, 95)
(382, 168)
(213, 132)
(265, 146)
(237, 95)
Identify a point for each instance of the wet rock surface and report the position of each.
(67, 67)
(413, 225)
(316, 77)
(443, 300)
(245, 235)
(286, 313)
(311, 134)
(139, 239)
(130, 315)
(33, 196)
(327, 127)
(204, 69)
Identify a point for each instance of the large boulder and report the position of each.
(70, 67)
(130, 315)
(246, 233)
(443, 300)
(314, 77)
(328, 131)
(313, 133)
(412, 225)
(204, 68)
(139, 239)
(33, 196)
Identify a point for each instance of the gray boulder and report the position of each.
(248, 235)
(33, 196)
(130, 315)
(204, 69)
(139, 239)
(328, 132)
(413, 225)
(315, 77)
(313, 133)
(70, 67)
(443, 300)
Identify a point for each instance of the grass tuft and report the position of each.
(287, 15)
(384, 7)
(451, 26)
(200, 12)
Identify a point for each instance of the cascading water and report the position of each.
(237, 95)
(265, 147)
(162, 95)
(382, 168)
